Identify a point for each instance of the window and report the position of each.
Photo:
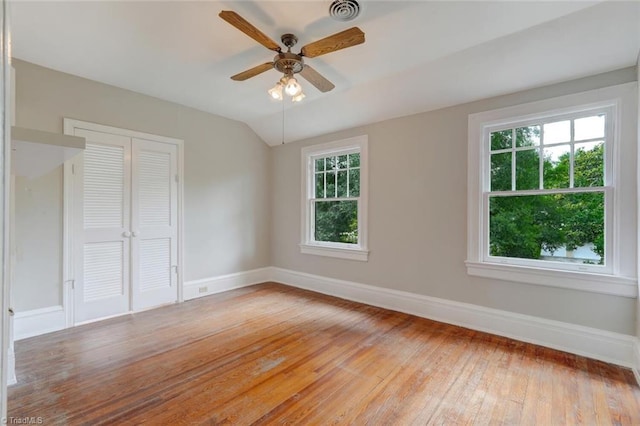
(543, 191)
(546, 197)
(335, 199)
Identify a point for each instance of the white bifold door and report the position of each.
(130, 234)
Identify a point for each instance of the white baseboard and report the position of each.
(38, 321)
(207, 286)
(46, 320)
(603, 345)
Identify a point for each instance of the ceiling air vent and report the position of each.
(344, 10)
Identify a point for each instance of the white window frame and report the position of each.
(308, 244)
(614, 277)
(607, 189)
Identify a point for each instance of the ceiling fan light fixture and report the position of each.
(298, 97)
(293, 88)
(276, 92)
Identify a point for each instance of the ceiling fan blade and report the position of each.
(243, 25)
(313, 77)
(347, 38)
(252, 72)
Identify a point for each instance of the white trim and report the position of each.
(596, 283)
(227, 282)
(343, 253)
(70, 124)
(618, 280)
(636, 369)
(590, 342)
(611, 109)
(11, 360)
(38, 321)
(11, 367)
(71, 229)
(5, 208)
(307, 244)
(180, 222)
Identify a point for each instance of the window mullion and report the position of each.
(324, 178)
(571, 161)
(359, 219)
(335, 199)
(312, 221)
(335, 178)
(522, 192)
(571, 154)
(348, 180)
(513, 159)
(541, 157)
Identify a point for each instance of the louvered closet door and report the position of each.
(102, 286)
(154, 241)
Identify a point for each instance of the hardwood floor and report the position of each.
(274, 354)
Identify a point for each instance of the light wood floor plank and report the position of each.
(272, 354)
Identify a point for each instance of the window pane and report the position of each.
(528, 136)
(528, 169)
(589, 127)
(354, 160)
(501, 140)
(501, 172)
(342, 183)
(319, 164)
(331, 163)
(336, 221)
(331, 185)
(354, 183)
(559, 227)
(342, 162)
(556, 166)
(588, 164)
(319, 185)
(560, 131)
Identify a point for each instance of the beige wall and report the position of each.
(38, 243)
(233, 181)
(226, 180)
(417, 215)
(638, 301)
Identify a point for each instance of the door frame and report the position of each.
(72, 228)
(5, 203)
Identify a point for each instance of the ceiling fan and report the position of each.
(290, 63)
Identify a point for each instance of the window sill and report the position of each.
(595, 283)
(339, 252)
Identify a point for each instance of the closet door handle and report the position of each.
(126, 234)
(136, 233)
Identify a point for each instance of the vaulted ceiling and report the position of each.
(418, 55)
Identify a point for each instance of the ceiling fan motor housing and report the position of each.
(289, 40)
(288, 63)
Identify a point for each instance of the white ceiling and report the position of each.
(418, 55)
